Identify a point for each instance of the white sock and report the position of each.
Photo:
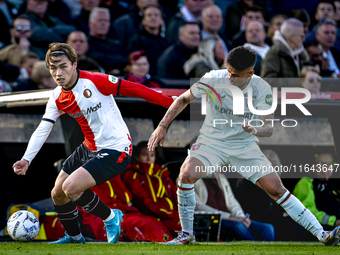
(299, 213)
(77, 237)
(186, 206)
(111, 216)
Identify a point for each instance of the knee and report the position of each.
(277, 191)
(57, 196)
(70, 191)
(184, 175)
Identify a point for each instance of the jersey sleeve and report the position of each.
(264, 99)
(111, 85)
(201, 87)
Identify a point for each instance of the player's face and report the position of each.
(239, 78)
(63, 71)
(146, 156)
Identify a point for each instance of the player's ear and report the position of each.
(251, 72)
(74, 65)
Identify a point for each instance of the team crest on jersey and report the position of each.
(113, 79)
(87, 93)
(269, 99)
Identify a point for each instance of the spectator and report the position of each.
(266, 210)
(21, 32)
(336, 16)
(13, 55)
(109, 53)
(46, 29)
(88, 64)
(74, 6)
(170, 63)
(7, 13)
(135, 227)
(78, 41)
(275, 24)
(40, 79)
(255, 39)
(326, 35)
(116, 8)
(310, 79)
(152, 188)
(137, 70)
(81, 22)
(254, 13)
(27, 65)
(234, 17)
(321, 194)
(191, 11)
(210, 56)
(286, 55)
(59, 9)
(150, 39)
(325, 11)
(315, 53)
(215, 194)
(129, 24)
(303, 16)
(211, 24)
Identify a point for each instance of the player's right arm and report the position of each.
(38, 137)
(177, 106)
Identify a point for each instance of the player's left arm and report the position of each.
(265, 131)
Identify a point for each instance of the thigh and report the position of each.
(80, 180)
(211, 158)
(250, 162)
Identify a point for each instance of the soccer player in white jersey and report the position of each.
(235, 145)
(107, 148)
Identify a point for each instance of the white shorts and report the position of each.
(247, 160)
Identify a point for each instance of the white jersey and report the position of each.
(230, 132)
(90, 102)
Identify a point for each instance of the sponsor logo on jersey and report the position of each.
(209, 93)
(113, 79)
(88, 111)
(269, 99)
(87, 93)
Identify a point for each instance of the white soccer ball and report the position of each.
(23, 226)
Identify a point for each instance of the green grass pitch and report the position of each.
(228, 248)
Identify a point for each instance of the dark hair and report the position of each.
(184, 24)
(139, 147)
(301, 14)
(241, 58)
(58, 49)
(311, 43)
(255, 8)
(327, 2)
(154, 6)
(87, 64)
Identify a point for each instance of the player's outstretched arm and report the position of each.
(35, 143)
(160, 132)
(265, 131)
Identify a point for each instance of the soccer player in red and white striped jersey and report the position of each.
(106, 151)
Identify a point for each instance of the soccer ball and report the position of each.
(23, 226)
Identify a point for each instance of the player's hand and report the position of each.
(249, 129)
(245, 221)
(157, 136)
(20, 167)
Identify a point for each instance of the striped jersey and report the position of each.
(90, 102)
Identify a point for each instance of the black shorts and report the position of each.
(103, 165)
